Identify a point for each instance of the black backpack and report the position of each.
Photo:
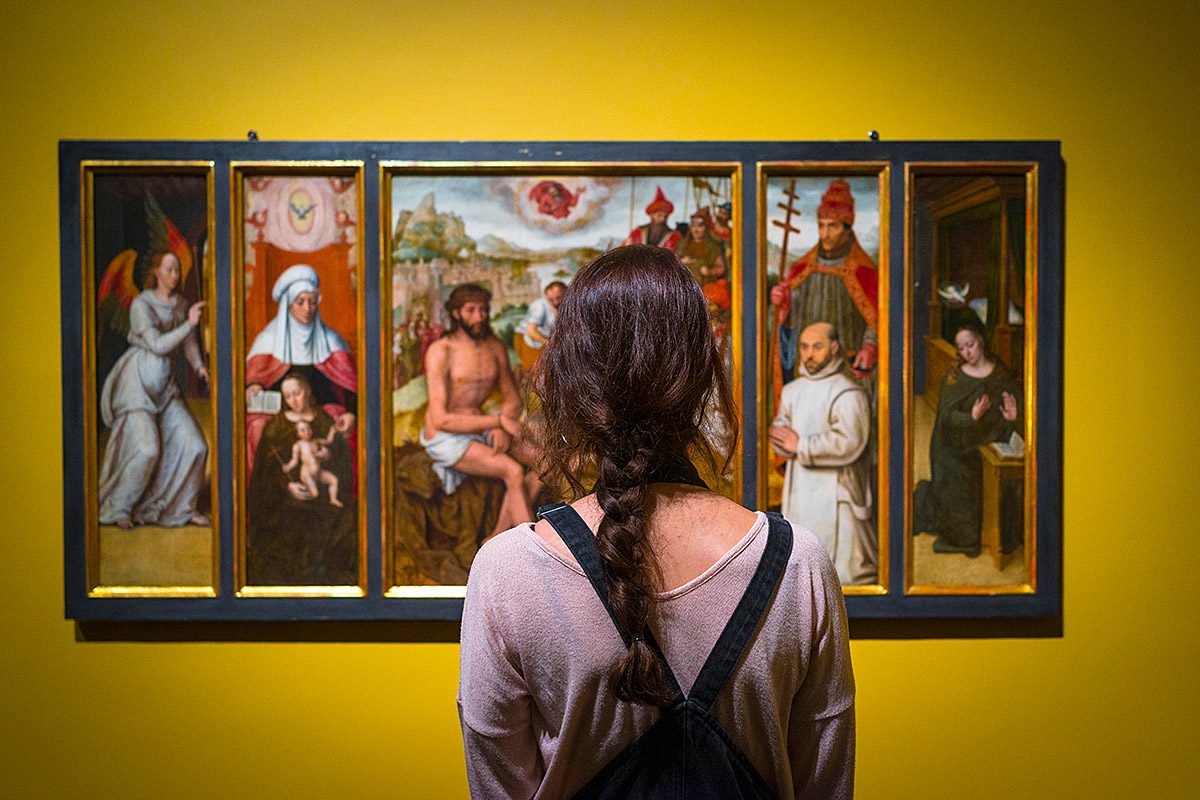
(686, 753)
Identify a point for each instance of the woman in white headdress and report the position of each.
(292, 539)
(297, 340)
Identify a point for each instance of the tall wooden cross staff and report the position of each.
(789, 210)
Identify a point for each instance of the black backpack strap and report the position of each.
(582, 543)
(736, 635)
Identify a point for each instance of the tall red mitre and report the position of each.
(660, 203)
(837, 203)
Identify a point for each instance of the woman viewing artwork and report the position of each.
(153, 468)
(583, 632)
(977, 405)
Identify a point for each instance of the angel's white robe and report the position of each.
(154, 462)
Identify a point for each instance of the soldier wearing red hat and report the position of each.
(657, 231)
(835, 282)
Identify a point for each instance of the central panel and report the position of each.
(476, 258)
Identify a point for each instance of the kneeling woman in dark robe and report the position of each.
(977, 405)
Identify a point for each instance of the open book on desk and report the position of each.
(1013, 448)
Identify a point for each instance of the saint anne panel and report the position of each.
(298, 322)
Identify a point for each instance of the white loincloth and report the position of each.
(446, 450)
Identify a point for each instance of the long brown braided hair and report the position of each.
(626, 382)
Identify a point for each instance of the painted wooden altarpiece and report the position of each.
(255, 359)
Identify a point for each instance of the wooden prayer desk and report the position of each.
(996, 470)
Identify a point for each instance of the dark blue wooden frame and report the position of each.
(1046, 602)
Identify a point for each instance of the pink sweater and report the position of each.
(538, 715)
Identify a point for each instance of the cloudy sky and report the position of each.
(500, 206)
(602, 214)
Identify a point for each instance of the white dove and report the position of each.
(954, 295)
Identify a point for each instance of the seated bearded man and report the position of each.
(463, 368)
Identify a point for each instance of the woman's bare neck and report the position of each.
(690, 529)
(980, 370)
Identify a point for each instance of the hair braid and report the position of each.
(640, 676)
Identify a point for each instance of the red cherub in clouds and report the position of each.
(553, 199)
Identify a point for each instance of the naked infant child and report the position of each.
(309, 453)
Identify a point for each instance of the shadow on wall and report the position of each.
(446, 632)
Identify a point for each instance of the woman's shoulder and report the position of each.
(545, 535)
(264, 340)
(1001, 373)
(503, 543)
(954, 375)
(276, 426)
(957, 383)
(810, 555)
(502, 561)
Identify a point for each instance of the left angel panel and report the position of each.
(150, 422)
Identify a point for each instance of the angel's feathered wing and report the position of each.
(165, 236)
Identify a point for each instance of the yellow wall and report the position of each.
(1108, 710)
